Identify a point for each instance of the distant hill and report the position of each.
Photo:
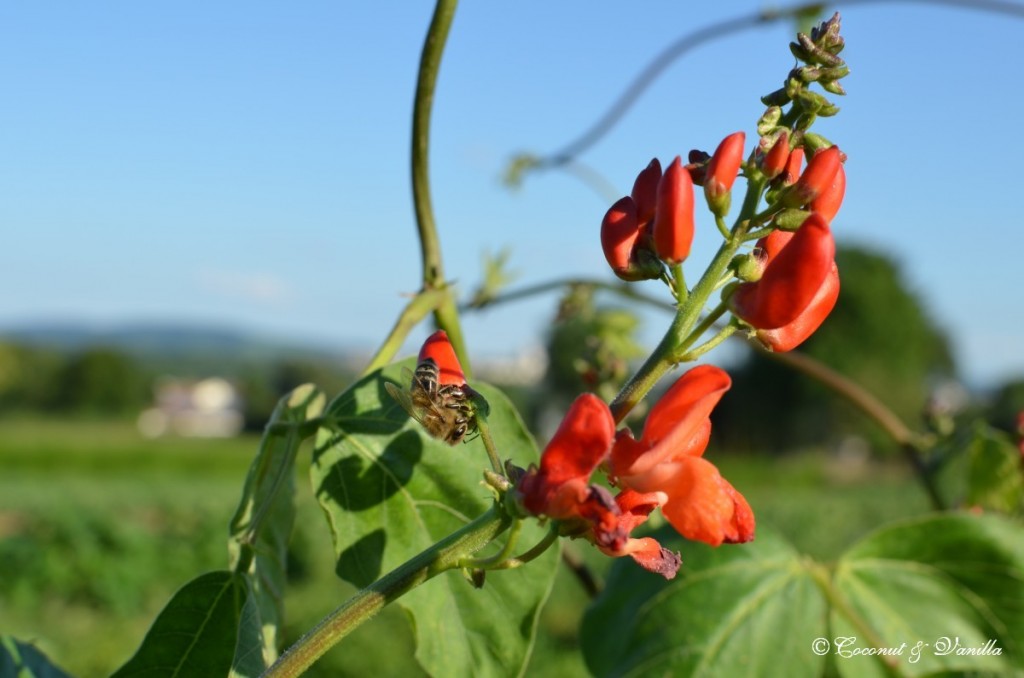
(177, 347)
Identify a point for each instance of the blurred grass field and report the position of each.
(99, 526)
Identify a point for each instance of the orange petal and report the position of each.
(704, 507)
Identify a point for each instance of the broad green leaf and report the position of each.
(262, 524)
(23, 660)
(389, 491)
(951, 582)
(197, 633)
(738, 610)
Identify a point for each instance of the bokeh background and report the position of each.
(206, 205)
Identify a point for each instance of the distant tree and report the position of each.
(29, 378)
(1007, 404)
(879, 334)
(101, 381)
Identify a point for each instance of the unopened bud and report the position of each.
(722, 172)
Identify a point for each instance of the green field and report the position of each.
(99, 526)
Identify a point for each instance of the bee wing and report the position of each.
(402, 397)
(408, 377)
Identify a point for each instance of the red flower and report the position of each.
(722, 171)
(645, 192)
(797, 266)
(791, 335)
(439, 349)
(560, 488)
(666, 459)
(673, 216)
(793, 166)
(777, 158)
(646, 551)
(828, 202)
(816, 179)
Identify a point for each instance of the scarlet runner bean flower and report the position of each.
(699, 503)
(560, 487)
(816, 179)
(828, 202)
(662, 469)
(797, 265)
(722, 172)
(777, 157)
(673, 216)
(438, 348)
(626, 229)
(791, 335)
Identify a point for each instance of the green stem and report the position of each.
(414, 312)
(679, 284)
(492, 449)
(543, 545)
(445, 314)
(722, 335)
(709, 320)
(442, 556)
(496, 560)
(661, 359)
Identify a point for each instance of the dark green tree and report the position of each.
(879, 335)
(103, 381)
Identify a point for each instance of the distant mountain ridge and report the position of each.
(162, 341)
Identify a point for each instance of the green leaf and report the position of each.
(949, 582)
(196, 634)
(389, 491)
(749, 610)
(262, 524)
(23, 660)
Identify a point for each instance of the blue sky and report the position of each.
(247, 163)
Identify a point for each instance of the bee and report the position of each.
(444, 410)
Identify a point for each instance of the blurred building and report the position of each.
(204, 408)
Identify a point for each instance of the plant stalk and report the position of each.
(442, 556)
(445, 314)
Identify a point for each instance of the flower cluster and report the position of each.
(663, 468)
(796, 281)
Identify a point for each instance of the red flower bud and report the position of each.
(796, 268)
(439, 349)
(645, 191)
(793, 166)
(820, 172)
(722, 172)
(619, 232)
(775, 160)
(673, 219)
(789, 336)
(827, 204)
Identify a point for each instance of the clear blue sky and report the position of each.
(246, 163)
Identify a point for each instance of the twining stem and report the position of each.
(415, 311)
(445, 313)
(442, 556)
(625, 290)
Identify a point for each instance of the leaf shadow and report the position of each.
(361, 480)
(362, 562)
